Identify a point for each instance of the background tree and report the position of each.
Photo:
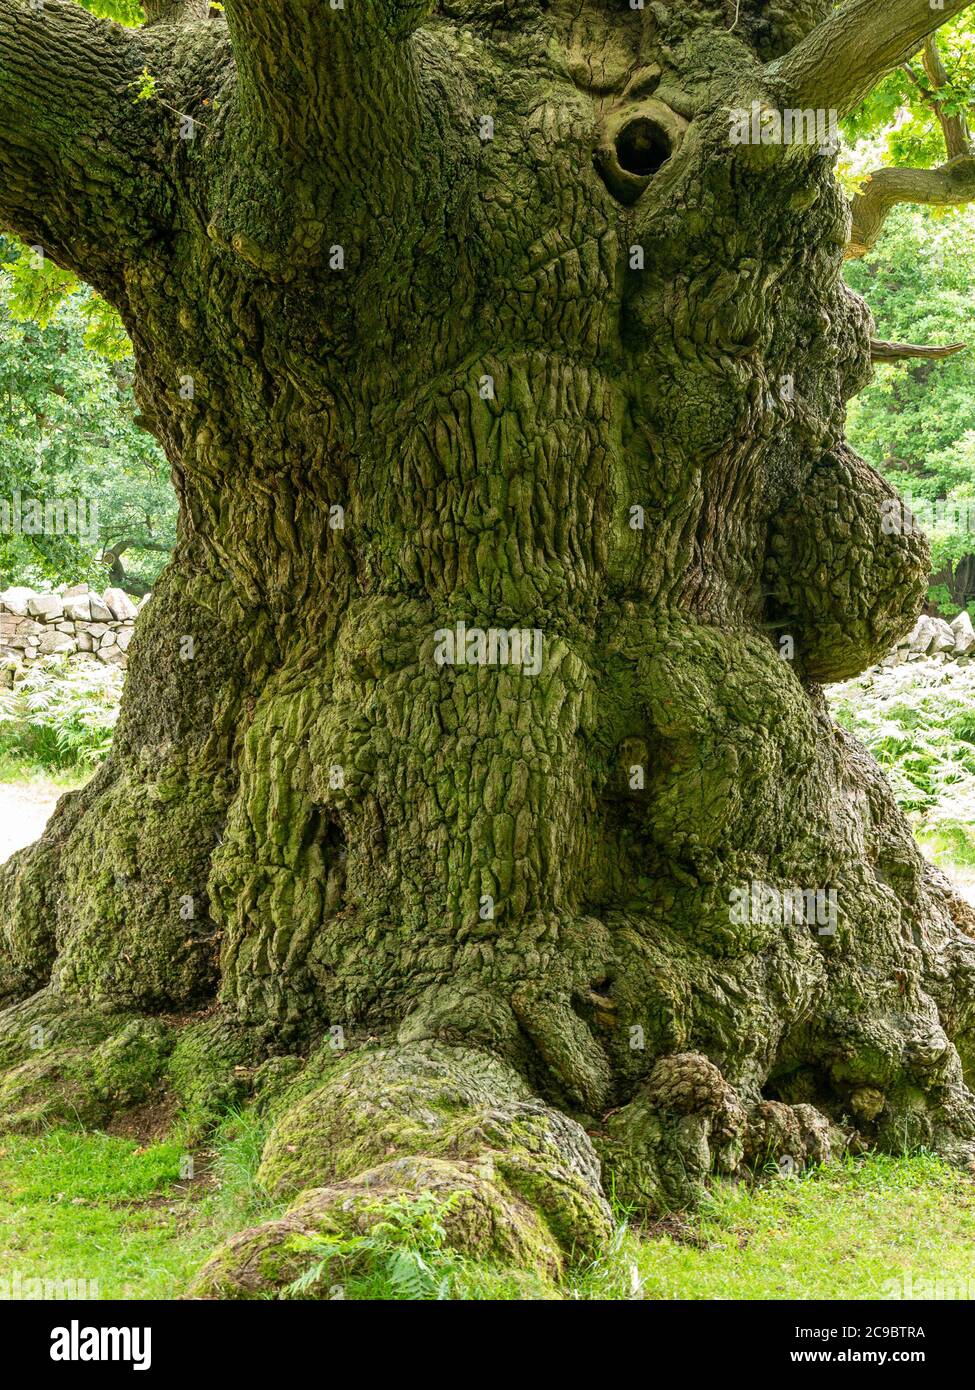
(916, 125)
(483, 316)
(68, 431)
(922, 113)
(914, 420)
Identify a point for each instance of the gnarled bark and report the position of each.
(487, 321)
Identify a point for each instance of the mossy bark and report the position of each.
(424, 343)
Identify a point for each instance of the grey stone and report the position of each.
(120, 604)
(57, 643)
(944, 638)
(100, 611)
(16, 600)
(46, 606)
(964, 632)
(78, 609)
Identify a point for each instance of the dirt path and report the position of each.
(24, 811)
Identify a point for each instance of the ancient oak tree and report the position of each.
(474, 763)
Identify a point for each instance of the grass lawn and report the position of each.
(99, 1208)
(842, 1232)
(103, 1209)
(93, 1208)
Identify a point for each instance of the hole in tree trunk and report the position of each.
(642, 146)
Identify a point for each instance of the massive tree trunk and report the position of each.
(484, 319)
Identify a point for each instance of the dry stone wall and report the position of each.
(78, 621)
(71, 622)
(933, 637)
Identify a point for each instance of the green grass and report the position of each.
(842, 1232)
(89, 1206)
(16, 770)
(93, 1207)
(85, 1167)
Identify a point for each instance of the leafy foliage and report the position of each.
(128, 12)
(918, 722)
(915, 422)
(405, 1255)
(898, 118)
(67, 426)
(60, 714)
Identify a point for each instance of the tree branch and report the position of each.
(64, 78)
(112, 557)
(839, 63)
(882, 351)
(953, 128)
(158, 10)
(300, 64)
(325, 99)
(951, 185)
(117, 550)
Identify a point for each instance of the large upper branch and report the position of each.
(308, 70)
(837, 65)
(67, 180)
(325, 99)
(954, 128)
(951, 185)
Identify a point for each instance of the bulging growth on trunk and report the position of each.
(476, 724)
